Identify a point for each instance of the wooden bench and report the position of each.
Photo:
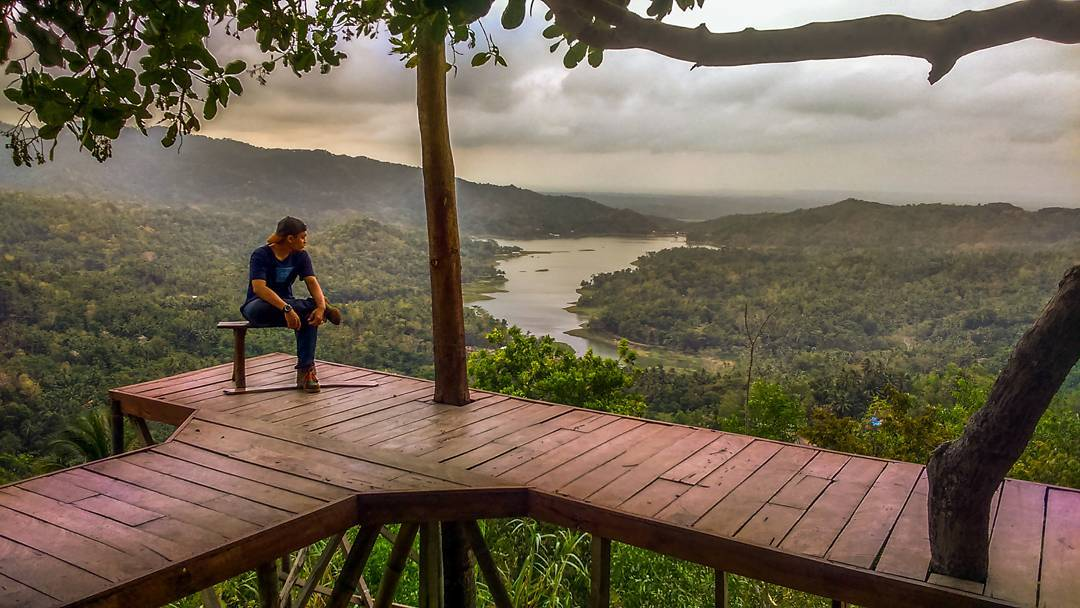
(239, 374)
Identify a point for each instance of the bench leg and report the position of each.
(239, 354)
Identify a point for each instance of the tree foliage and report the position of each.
(525, 365)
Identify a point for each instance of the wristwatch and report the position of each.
(287, 309)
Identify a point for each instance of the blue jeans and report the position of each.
(262, 314)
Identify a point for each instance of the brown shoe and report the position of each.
(307, 380)
(333, 314)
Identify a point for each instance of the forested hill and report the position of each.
(856, 223)
(226, 173)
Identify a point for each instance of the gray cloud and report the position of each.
(1003, 125)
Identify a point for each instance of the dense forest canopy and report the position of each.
(861, 224)
(96, 295)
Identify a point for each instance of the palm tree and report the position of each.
(86, 438)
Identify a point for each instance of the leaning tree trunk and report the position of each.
(964, 473)
(444, 244)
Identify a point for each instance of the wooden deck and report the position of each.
(247, 478)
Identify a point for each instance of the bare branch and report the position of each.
(605, 24)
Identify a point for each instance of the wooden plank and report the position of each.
(569, 450)
(807, 485)
(696, 501)
(181, 388)
(14, 593)
(907, 552)
(351, 452)
(705, 461)
(436, 435)
(517, 438)
(591, 459)
(257, 404)
(223, 370)
(464, 443)
(427, 430)
(1060, 585)
(631, 482)
(78, 550)
(303, 461)
(152, 480)
(56, 489)
(239, 486)
(729, 515)
(345, 410)
(221, 525)
(862, 539)
(122, 512)
(655, 497)
(255, 472)
(1016, 543)
(769, 525)
(655, 440)
(104, 530)
(821, 524)
(46, 574)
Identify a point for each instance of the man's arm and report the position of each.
(264, 293)
(317, 315)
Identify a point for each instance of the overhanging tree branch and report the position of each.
(605, 24)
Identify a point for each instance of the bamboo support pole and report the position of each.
(354, 566)
(395, 566)
(317, 572)
(600, 573)
(431, 566)
(266, 574)
(488, 570)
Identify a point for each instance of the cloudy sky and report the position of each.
(1003, 125)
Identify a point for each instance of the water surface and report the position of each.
(539, 286)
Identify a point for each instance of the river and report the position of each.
(542, 283)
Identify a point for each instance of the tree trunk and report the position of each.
(458, 568)
(444, 244)
(964, 473)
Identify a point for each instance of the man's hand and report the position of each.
(292, 320)
(317, 317)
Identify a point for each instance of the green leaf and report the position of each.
(14, 68)
(514, 14)
(170, 136)
(575, 55)
(210, 107)
(596, 57)
(235, 67)
(50, 131)
(552, 31)
(234, 85)
(480, 59)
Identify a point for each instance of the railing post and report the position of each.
(600, 573)
(459, 570)
(117, 427)
(721, 588)
(431, 566)
(266, 574)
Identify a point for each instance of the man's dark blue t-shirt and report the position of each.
(278, 274)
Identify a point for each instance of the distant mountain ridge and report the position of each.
(223, 172)
(858, 223)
